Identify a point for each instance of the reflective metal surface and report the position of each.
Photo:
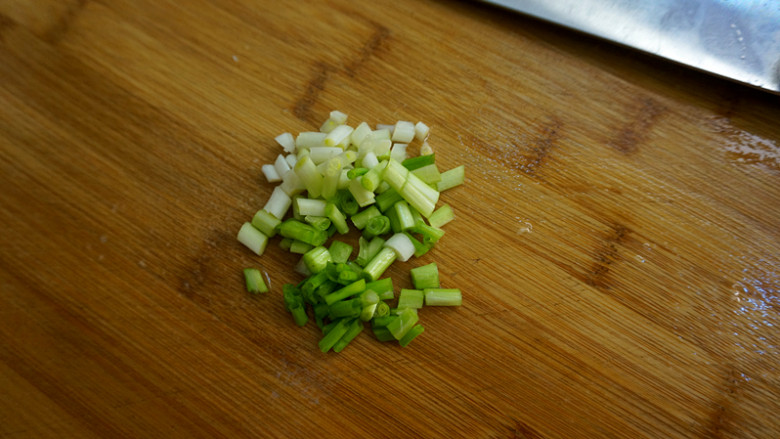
(738, 39)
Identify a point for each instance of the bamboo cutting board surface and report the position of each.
(616, 238)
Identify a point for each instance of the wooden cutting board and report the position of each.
(616, 238)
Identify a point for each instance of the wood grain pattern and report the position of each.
(616, 239)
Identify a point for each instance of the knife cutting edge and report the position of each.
(737, 39)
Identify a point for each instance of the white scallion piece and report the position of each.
(279, 203)
(309, 175)
(385, 127)
(382, 133)
(363, 196)
(369, 160)
(287, 141)
(291, 183)
(421, 131)
(338, 117)
(254, 239)
(270, 173)
(308, 139)
(291, 159)
(398, 152)
(360, 133)
(339, 135)
(401, 245)
(310, 206)
(403, 132)
(425, 149)
(320, 154)
(281, 166)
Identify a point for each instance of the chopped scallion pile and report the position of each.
(339, 175)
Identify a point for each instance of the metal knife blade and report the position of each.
(735, 39)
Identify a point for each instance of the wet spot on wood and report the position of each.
(746, 148)
(526, 152)
(302, 109)
(549, 135)
(628, 138)
(606, 256)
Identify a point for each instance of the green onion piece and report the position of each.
(299, 315)
(360, 219)
(337, 219)
(428, 174)
(409, 336)
(345, 273)
(396, 175)
(382, 309)
(318, 222)
(407, 318)
(355, 328)
(349, 290)
(418, 162)
(401, 245)
(441, 216)
(395, 224)
(255, 282)
(371, 179)
(377, 266)
(309, 206)
(300, 247)
(409, 298)
(292, 296)
(320, 313)
(429, 233)
(265, 222)
(387, 199)
(382, 333)
(356, 172)
(419, 247)
(369, 297)
(334, 334)
(340, 251)
(316, 259)
(346, 202)
(378, 225)
(363, 196)
(425, 276)
(292, 228)
(419, 195)
(323, 290)
(442, 297)
(383, 287)
(252, 238)
(285, 243)
(368, 312)
(383, 321)
(369, 300)
(331, 174)
(309, 175)
(367, 250)
(345, 308)
(404, 214)
(451, 178)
